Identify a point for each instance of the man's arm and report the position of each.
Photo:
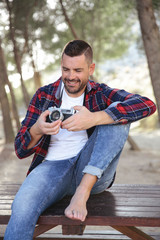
(131, 107)
(84, 119)
(27, 139)
(121, 107)
(32, 131)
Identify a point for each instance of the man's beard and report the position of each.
(72, 89)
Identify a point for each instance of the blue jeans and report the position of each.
(52, 180)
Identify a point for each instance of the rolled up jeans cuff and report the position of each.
(93, 171)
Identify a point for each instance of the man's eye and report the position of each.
(65, 69)
(78, 70)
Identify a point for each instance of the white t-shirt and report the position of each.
(67, 144)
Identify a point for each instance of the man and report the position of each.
(77, 156)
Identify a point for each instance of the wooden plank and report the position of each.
(87, 237)
(148, 186)
(121, 212)
(96, 207)
(129, 200)
(95, 220)
(115, 187)
(134, 190)
(150, 206)
(101, 221)
(126, 189)
(6, 197)
(4, 201)
(134, 196)
(113, 211)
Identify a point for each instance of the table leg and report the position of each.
(42, 228)
(133, 232)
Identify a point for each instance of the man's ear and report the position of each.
(91, 69)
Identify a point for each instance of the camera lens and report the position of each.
(55, 115)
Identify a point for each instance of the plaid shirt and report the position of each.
(98, 97)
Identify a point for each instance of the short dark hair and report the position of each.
(78, 47)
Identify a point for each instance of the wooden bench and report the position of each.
(123, 207)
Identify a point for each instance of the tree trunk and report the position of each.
(28, 49)
(133, 144)
(68, 20)
(7, 122)
(37, 79)
(17, 57)
(3, 71)
(151, 40)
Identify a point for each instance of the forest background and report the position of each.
(33, 34)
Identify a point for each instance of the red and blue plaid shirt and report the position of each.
(98, 97)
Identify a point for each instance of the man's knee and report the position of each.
(113, 128)
(112, 133)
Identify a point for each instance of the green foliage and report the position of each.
(104, 24)
(156, 4)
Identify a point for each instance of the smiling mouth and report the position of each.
(72, 82)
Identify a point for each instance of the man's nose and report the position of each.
(71, 75)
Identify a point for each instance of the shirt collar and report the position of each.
(59, 90)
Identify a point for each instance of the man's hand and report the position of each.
(84, 119)
(42, 127)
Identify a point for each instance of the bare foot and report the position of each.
(77, 208)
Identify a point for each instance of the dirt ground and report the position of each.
(135, 167)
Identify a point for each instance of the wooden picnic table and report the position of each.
(123, 207)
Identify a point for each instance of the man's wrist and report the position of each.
(34, 132)
(35, 136)
(101, 117)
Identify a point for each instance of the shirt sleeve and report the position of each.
(129, 107)
(23, 137)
